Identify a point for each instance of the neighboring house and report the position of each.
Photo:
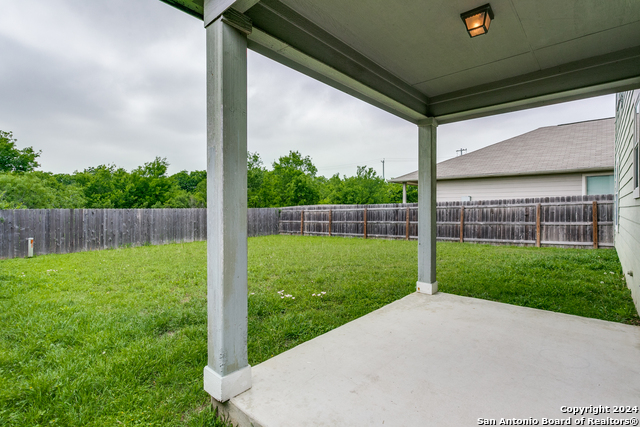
(627, 207)
(566, 160)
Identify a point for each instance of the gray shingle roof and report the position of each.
(573, 147)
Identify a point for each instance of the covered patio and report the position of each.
(446, 360)
(446, 357)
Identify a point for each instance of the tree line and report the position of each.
(291, 181)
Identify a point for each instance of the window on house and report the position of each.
(599, 184)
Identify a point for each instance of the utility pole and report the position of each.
(461, 151)
(382, 168)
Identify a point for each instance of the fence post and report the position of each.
(407, 228)
(538, 209)
(329, 222)
(365, 223)
(302, 222)
(461, 224)
(595, 224)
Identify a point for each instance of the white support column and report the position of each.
(427, 139)
(404, 192)
(227, 373)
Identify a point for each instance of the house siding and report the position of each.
(627, 235)
(511, 187)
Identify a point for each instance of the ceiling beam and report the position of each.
(600, 75)
(214, 8)
(191, 7)
(284, 24)
(269, 46)
(542, 100)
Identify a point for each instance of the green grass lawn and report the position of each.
(118, 337)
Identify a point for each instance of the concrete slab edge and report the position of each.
(230, 413)
(539, 310)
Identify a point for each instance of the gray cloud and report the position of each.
(122, 82)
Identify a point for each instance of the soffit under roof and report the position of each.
(424, 42)
(416, 53)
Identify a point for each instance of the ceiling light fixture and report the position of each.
(478, 20)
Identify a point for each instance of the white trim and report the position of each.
(635, 151)
(540, 100)
(332, 77)
(586, 175)
(224, 388)
(427, 288)
(214, 8)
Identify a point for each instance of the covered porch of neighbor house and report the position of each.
(417, 61)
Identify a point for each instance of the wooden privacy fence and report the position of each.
(74, 230)
(368, 221)
(580, 221)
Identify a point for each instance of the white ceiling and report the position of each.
(426, 45)
(415, 59)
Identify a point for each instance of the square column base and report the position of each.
(224, 388)
(427, 288)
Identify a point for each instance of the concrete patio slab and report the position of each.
(445, 360)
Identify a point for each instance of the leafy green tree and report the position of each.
(188, 181)
(179, 199)
(14, 160)
(6, 204)
(38, 190)
(295, 162)
(300, 190)
(104, 186)
(364, 188)
(257, 182)
(192, 191)
(183, 199)
(199, 197)
(150, 187)
(293, 182)
(330, 189)
(63, 178)
(395, 193)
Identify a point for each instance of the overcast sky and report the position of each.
(123, 81)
